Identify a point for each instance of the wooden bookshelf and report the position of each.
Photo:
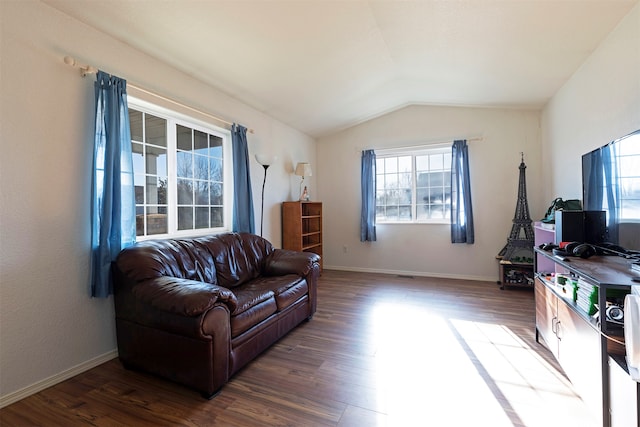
(302, 227)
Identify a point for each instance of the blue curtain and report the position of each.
(113, 201)
(368, 212)
(594, 184)
(243, 220)
(461, 210)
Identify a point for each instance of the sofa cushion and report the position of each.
(286, 289)
(255, 306)
(263, 296)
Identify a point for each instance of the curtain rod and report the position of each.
(88, 69)
(440, 141)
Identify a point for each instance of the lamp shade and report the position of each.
(266, 159)
(303, 169)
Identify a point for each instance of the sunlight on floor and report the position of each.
(496, 378)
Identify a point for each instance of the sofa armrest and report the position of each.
(284, 261)
(182, 296)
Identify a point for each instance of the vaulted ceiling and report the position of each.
(321, 66)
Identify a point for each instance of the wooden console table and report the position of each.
(585, 347)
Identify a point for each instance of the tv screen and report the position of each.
(611, 182)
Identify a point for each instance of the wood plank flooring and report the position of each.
(381, 350)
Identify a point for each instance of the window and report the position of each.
(182, 173)
(414, 185)
(629, 175)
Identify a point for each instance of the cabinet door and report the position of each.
(546, 315)
(579, 356)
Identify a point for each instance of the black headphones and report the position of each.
(578, 249)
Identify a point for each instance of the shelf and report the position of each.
(602, 271)
(302, 227)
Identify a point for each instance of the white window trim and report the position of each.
(173, 117)
(414, 151)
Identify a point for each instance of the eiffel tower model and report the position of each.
(516, 258)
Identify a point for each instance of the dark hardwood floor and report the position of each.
(381, 350)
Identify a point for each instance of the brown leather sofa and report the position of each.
(195, 311)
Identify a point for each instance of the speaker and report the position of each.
(595, 227)
(581, 226)
(569, 226)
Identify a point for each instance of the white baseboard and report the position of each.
(10, 398)
(411, 273)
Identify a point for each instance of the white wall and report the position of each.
(601, 102)
(49, 326)
(427, 249)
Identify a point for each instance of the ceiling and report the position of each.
(322, 66)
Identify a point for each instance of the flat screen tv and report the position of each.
(611, 182)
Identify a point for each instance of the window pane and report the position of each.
(422, 195)
(157, 220)
(185, 218)
(216, 194)
(380, 162)
(184, 164)
(200, 167)
(404, 180)
(404, 164)
(391, 212)
(437, 179)
(404, 213)
(436, 162)
(215, 146)
(138, 157)
(215, 169)
(391, 181)
(200, 143)
(156, 161)
(155, 192)
(138, 184)
(185, 192)
(422, 179)
(202, 218)
(217, 217)
(422, 212)
(391, 165)
(135, 125)
(436, 213)
(202, 193)
(436, 196)
(404, 197)
(447, 161)
(156, 130)
(183, 136)
(422, 163)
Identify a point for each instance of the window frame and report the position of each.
(413, 152)
(173, 119)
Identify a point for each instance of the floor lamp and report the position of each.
(265, 161)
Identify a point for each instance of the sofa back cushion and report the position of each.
(238, 257)
(181, 258)
(228, 259)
